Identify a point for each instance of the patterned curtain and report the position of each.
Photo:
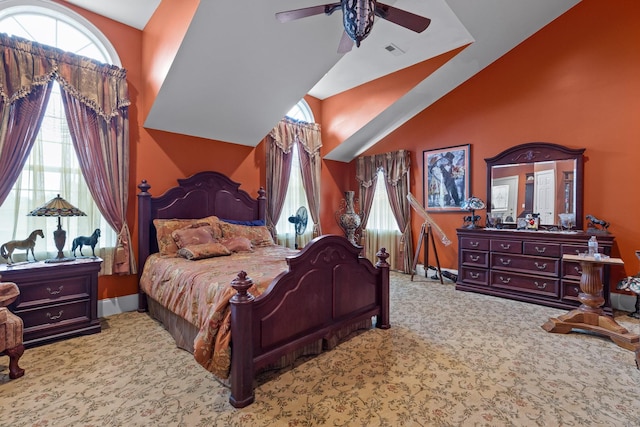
(279, 144)
(96, 103)
(308, 135)
(26, 75)
(278, 148)
(395, 166)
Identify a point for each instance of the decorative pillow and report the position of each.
(193, 236)
(203, 250)
(164, 228)
(259, 235)
(238, 244)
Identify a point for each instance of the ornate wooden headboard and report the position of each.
(200, 195)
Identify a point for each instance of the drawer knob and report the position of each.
(474, 244)
(474, 275)
(540, 286)
(55, 292)
(541, 266)
(474, 258)
(577, 269)
(505, 280)
(52, 317)
(541, 250)
(505, 245)
(505, 261)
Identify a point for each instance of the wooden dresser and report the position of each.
(57, 300)
(526, 265)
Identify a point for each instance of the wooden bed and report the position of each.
(285, 317)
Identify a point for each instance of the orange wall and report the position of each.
(574, 83)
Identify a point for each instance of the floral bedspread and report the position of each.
(199, 291)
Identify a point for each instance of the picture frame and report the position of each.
(446, 177)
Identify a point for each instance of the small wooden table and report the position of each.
(590, 316)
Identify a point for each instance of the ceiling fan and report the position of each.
(358, 17)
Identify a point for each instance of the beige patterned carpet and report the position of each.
(450, 359)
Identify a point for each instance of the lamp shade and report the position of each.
(57, 207)
(473, 204)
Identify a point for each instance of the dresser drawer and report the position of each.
(574, 249)
(56, 314)
(474, 243)
(571, 270)
(474, 276)
(526, 264)
(54, 290)
(506, 246)
(542, 249)
(570, 290)
(546, 286)
(475, 258)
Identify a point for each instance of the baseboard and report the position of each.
(623, 302)
(110, 306)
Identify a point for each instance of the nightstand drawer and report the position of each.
(55, 314)
(54, 290)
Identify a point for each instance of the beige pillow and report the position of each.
(203, 250)
(164, 228)
(259, 235)
(238, 244)
(193, 236)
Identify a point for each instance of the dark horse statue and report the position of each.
(80, 241)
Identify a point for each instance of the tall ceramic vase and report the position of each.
(348, 219)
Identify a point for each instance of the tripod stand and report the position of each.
(426, 234)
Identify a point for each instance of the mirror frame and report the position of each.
(533, 152)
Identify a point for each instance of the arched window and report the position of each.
(52, 167)
(296, 196)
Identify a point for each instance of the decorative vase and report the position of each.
(347, 217)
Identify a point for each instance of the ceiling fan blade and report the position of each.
(291, 15)
(401, 17)
(346, 44)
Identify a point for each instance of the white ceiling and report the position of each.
(234, 79)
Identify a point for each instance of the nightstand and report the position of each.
(57, 300)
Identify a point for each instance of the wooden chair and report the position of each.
(11, 328)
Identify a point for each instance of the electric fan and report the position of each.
(300, 222)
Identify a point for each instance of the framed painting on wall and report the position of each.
(445, 175)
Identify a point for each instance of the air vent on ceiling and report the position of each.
(393, 49)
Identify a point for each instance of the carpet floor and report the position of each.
(451, 358)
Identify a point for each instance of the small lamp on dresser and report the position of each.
(58, 207)
(472, 204)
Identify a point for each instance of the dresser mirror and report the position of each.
(537, 178)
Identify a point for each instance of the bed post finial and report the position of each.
(383, 266)
(242, 343)
(144, 187)
(382, 257)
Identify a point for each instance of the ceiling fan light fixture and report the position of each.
(358, 17)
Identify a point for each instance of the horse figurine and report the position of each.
(595, 222)
(29, 243)
(80, 241)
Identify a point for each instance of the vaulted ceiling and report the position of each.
(238, 70)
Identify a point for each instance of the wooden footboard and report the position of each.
(328, 287)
